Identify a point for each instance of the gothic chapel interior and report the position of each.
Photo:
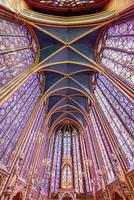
(66, 99)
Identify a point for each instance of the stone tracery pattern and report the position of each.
(31, 145)
(60, 163)
(48, 164)
(59, 172)
(14, 115)
(17, 50)
(119, 113)
(115, 50)
(103, 145)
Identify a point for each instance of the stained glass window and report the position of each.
(17, 49)
(56, 166)
(29, 149)
(14, 115)
(94, 161)
(86, 172)
(78, 174)
(115, 50)
(65, 157)
(41, 163)
(67, 177)
(103, 145)
(48, 165)
(118, 110)
(67, 145)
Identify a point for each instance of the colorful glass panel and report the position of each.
(115, 50)
(29, 149)
(17, 49)
(14, 115)
(65, 159)
(67, 177)
(119, 111)
(103, 145)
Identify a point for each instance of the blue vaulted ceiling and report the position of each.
(66, 62)
(67, 34)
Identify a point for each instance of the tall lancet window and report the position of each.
(67, 145)
(115, 50)
(67, 177)
(14, 115)
(68, 152)
(103, 146)
(118, 110)
(18, 49)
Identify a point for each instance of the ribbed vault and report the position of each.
(67, 64)
(68, 110)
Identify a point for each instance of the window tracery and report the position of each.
(18, 49)
(86, 172)
(94, 161)
(14, 115)
(118, 110)
(48, 164)
(66, 160)
(67, 177)
(103, 144)
(67, 152)
(115, 50)
(29, 149)
(78, 173)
